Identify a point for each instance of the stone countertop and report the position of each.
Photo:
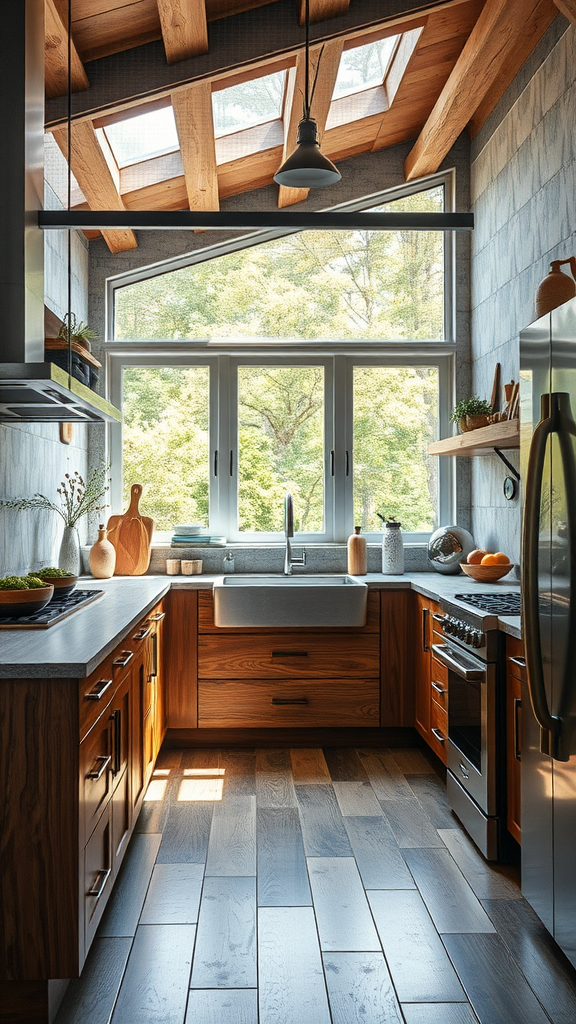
(74, 647)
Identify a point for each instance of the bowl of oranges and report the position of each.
(486, 566)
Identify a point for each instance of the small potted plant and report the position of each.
(76, 335)
(471, 413)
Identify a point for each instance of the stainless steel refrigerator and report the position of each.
(548, 467)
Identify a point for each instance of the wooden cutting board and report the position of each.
(131, 535)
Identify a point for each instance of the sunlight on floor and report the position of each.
(200, 789)
(156, 790)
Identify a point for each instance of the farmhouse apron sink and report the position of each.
(290, 601)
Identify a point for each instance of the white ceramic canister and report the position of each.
(392, 549)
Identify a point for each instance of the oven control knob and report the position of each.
(477, 638)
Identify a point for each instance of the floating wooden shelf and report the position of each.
(481, 441)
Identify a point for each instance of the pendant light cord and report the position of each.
(307, 67)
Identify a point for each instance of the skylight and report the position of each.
(363, 66)
(247, 104)
(143, 137)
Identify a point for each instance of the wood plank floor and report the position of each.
(313, 887)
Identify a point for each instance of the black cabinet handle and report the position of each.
(99, 767)
(123, 660)
(425, 613)
(289, 654)
(289, 700)
(98, 691)
(116, 717)
(216, 462)
(517, 747)
(332, 462)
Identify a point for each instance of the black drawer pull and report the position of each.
(124, 659)
(289, 654)
(102, 877)
(97, 770)
(438, 735)
(517, 709)
(289, 700)
(142, 633)
(98, 691)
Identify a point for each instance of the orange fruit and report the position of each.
(501, 559)
(489, 559)
(476, 556)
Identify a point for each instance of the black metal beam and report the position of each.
(327, 220)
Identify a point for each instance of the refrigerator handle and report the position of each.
(550, 726)
(566, 430)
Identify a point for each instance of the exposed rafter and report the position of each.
(195, 124)
(568, 8)
(56, 56)
(184, 28)
(324, 62)
(320, 9)
(490, 45)
(90, 168)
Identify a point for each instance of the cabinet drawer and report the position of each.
(285, 657)
(97, 875)
(438, 731)
(206, 618)
(439, 683)
(95, 693)
(290, 702)
(515, 660)
(95, 773)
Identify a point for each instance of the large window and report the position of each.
(318, 363)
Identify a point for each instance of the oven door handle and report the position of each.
(471, 675)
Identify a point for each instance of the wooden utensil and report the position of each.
(495, 397)
(131, 535)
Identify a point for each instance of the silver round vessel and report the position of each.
(448, 546)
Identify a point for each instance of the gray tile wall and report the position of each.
(523, 183)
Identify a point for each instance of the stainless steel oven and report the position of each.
(475, 748)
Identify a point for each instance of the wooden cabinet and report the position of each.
(73, 775)
(515, 675)
(430, 678)
(251, 678)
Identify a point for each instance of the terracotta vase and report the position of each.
(556, 288)
(102, 556)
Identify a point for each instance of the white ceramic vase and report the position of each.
(69, 557)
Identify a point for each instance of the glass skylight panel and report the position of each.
(247, 104)
(363, 67)
(143, 137)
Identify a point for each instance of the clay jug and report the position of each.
(357, 553)
(102, 556)
(556, 288)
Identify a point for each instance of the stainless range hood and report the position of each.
(31, 390)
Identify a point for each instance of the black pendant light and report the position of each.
(307, 167)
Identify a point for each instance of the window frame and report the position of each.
(338, 357)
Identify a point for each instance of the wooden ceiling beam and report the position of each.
(195, 124)
(321, 9)
(56, 56)
(324, 63)
(244, 42)
(90, 168)
(184, 28)
(489, 47)
(567, 8)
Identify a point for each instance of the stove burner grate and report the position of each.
(58, 609)
(498, 604)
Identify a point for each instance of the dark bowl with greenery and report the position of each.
(62, 581)
(23, 595)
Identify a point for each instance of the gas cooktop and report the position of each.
(498, 604)
(59, 608)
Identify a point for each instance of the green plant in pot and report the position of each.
(471, 413)
(77, 330)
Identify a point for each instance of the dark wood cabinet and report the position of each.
(515, 675)
(73, 772)
(430, 677)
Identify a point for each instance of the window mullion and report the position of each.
(340, 481)
(225, 442)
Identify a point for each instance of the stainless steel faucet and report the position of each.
(289, 561)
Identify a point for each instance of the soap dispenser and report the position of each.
(357, 553)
